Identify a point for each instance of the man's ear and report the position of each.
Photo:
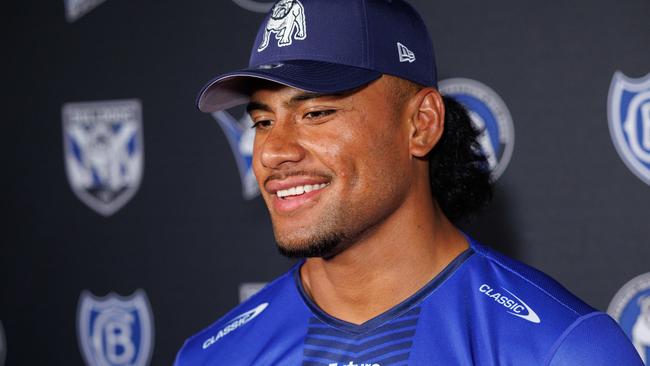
(427, 121)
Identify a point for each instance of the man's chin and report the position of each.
(326, 247)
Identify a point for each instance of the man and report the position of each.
(364, 167)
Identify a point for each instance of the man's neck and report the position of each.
(385, 267)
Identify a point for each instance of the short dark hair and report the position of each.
(459, 172)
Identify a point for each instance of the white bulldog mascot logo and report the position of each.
(287, 18)
(641, 328)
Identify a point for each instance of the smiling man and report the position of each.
(365, 168)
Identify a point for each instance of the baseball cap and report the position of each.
(329, 46)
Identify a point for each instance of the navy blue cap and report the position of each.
(329, 46)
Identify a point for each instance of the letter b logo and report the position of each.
(119, 347)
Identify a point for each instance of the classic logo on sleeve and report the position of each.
(235, 323)
(104, 152)
(630, 307)
(490, 115)
(115, 330)
(241, 136)
(287, 21)
(513, 304)
(628, 109)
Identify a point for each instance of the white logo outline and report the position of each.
(286, 17)
(405, 55)
(619, 129)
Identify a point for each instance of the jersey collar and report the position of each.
(390, 314)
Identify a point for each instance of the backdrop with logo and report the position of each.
(132, 220)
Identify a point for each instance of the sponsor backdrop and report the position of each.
(131, 220)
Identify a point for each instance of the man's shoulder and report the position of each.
(523, 282)
(536, 315)
(251, 322)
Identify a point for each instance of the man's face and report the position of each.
(331, 168)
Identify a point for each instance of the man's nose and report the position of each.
(281, 146)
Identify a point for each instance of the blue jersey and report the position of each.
(482, 309)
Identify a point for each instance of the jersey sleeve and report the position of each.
(595, 340)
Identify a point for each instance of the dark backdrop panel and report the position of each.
(566, 204)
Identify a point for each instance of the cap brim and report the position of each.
(234, 88)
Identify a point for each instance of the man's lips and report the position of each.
(299, 190)
(291, 193)
(294, 183)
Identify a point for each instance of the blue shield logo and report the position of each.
(115, 330)
(628, 109)
(490, 115)
(104, 152)
(241, 136)
(631, 309)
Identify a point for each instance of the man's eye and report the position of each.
(262, 124)
(319, 114)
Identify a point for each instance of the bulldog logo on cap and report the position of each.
(287, 17)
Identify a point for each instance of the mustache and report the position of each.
(285, 175)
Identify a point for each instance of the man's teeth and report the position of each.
(296, 191)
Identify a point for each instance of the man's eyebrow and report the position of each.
(257, 106)
(300, 97)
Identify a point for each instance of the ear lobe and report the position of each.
(428, 120)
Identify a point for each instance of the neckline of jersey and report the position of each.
(391, 313)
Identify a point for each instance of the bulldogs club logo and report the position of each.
(287, 21)
(241, 136)
(103, 150)
(628, 110)
(3, 345)
(75, 9)
(631, 309)
(490, 115)
(255, 6)
(115, 330)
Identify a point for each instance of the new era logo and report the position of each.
(405, 55)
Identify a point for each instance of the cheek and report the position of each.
(387, 162)
(368, 156)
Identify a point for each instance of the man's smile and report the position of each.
(293, 192)
(299, 190)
